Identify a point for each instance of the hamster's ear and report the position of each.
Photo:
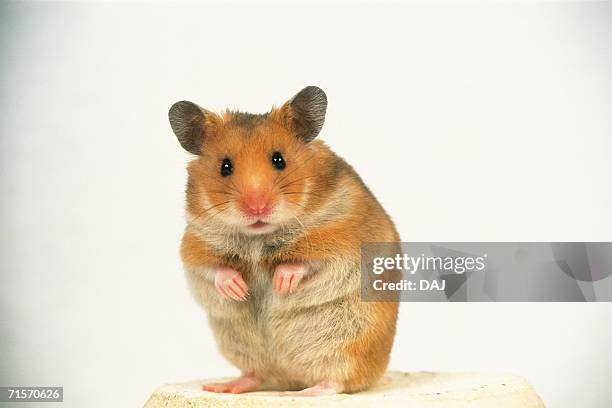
(192, 125)
(304, 114)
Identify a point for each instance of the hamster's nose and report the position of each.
(256, 203)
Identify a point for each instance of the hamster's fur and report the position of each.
(320, 214)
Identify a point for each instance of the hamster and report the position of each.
(271, 250)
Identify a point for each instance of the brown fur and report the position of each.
(322, 331)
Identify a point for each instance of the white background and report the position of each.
(477, 122)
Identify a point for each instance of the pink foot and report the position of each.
(287, 276)
(320, 389)
(245, 383)
(230, 284)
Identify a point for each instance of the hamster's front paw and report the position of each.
(230, 284)
(287, 276)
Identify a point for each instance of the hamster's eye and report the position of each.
(226, 167)
(277, 161)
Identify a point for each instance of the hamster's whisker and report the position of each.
(210, 208)
(297, 158)
(220, 192)
(299, 192)
(295, 181)
(235, 186)
(299, 222)
(303, 230)
(219, 212)
(227, 185)
(293, 171)
(299, 205)
(276, 179)
(288, 174)
(297, 167)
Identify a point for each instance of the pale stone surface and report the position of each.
(406, 390)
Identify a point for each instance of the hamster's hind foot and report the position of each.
(320, 389)
(245, 383)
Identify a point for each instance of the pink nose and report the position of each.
(256, 203)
